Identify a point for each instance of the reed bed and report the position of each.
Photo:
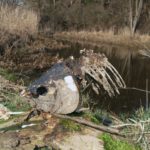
(17, 20)
(122, 37)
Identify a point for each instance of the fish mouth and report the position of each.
(42, 90)
(35, 92)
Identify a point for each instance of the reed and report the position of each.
(17, 20)
(122, 37)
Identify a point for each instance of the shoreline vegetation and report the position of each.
(20, 27)
(22, 46)
(122, 38)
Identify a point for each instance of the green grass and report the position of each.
(70, 126)
(141, 114)
(15, 103)
(96, 117)
(8, 75)
(115, 144)
(2, 121)
(91, 117)
(11, 99)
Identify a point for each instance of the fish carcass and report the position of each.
(57, 90)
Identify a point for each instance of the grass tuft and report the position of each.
(15, 103)
(7, 75)
(97, 116)
(70, 126)
(115, 144)
(91, 117)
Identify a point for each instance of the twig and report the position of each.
(130, 124)
(141, 121)
(146, 121)
(115, 117)
(87, 86)
(142, 131)
(137, 133)
(136, 89)
(146, 143)
(123, 125)
(146, 94)
(90, 124)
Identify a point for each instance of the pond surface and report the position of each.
(133, 67)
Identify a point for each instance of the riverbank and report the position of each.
(10, 98)
(121, 38)
(53, 131)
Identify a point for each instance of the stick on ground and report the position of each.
(90, 124)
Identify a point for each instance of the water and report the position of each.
(133, 67)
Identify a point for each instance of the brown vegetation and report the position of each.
(18, 20)
(123, 37)
(20, 44)
(17, 26)
(88, 14)
(31, 54)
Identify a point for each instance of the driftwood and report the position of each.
(92, 125)
(135, 17)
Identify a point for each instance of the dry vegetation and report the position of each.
(19, 40)
(122, 37)
(17, 26)
(18, 20)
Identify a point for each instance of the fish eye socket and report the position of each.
(41, 90)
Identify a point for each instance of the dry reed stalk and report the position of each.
(18, 21)
(123, 37)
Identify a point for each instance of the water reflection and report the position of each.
(133, 68)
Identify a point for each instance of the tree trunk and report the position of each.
(54, 3)
(130, 15)
(134, 19)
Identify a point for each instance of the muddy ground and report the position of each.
(41, 132)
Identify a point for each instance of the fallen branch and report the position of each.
(130, 124)
(90, 124)
(137, 133)
(123, 125)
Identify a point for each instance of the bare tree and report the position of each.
(11, 2)
(135, 7)
(54, 3)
